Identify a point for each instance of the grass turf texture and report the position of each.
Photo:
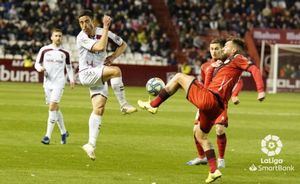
(139, 148)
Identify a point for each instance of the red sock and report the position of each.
(161, 97)
(199, 149)
(221, 141)
(211, 158)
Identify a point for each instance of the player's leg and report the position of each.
(98, 98)
(114, 74)
(221, 123)
(210, 154)
(180, 80)
(201, 133)
(56, 96)
(221, 142)
(200, 159)
(52, 115)
(61, 125)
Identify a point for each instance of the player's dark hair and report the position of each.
(239, 43)
(86, 12)
(220, 41)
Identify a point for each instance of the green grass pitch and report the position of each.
(140, 148)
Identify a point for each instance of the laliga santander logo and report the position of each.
(271, 145)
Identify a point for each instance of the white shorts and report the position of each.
(53, 95)
(100, 89)
(92, 77)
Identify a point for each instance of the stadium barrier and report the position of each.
(133, 75)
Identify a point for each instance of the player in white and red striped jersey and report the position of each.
(95, 71)
(53, 59)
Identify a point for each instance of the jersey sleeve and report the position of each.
(84, 41)
(257, 78)
(39, 60)
(242, 62)
(115, 38)
(238, 87)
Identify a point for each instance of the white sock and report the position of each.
(118, 87)
(94, 128)
(52, 118)
(61, 123)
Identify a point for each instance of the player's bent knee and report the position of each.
(116, 71)
(98, 111)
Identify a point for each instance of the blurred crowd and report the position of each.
(26, 25)
(196, 19)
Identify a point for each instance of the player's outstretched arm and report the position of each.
(258, 81)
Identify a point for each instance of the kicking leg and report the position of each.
(180, 80)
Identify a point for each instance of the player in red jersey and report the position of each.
(211, 101)
(216, 53)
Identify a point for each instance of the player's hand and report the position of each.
(108, 60)
(261, 96)
(106, 21)
(235, 100)
(72, 84)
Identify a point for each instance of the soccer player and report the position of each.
(95, 71)
(216, 53)
(211, 101)
(52, 59)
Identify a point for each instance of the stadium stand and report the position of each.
(198, 21)
(25, 25)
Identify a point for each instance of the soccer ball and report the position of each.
(154, 85)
